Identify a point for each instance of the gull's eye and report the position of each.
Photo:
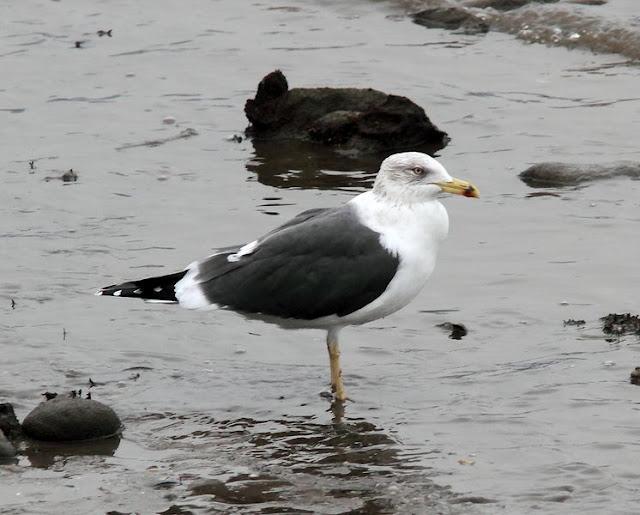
(418, 171)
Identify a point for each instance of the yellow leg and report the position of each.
(337, 386)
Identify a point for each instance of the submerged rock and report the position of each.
(71, 418)
(451, 17)
(347, 119)
(552, 174)
(9, 424)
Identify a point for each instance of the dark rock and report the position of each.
(546, 175)
(7, 450)
(457, 330)
(634, 377)
(621, 324)
(451, 17)
(348, 119)
(9, 425)
(505, 5)
(571, 321)
(71, 418)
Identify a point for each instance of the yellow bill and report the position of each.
(459, 187)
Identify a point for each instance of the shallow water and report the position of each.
(522, 411)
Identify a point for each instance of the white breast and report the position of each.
(413, 232)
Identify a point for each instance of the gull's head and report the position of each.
(417, 177)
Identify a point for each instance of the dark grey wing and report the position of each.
(322, 262)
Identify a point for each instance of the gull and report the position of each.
(326, 268)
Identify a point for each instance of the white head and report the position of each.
(415, 177)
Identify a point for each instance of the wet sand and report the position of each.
(522, 410)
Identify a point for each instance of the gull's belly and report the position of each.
(410, 278)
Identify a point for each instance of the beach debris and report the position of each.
(102, 33)
(13, 304)
(183, 134)
(457, 330)
(32, 165)
(621, 324)
(68, 176)
(49, 395)
(571, 321)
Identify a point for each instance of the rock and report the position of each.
(571, 321)
(505, 5)
(552, 174)
(9, 424)
(65, 419)
(348, 119)
(7, 450)
(621, 324)
(634, 377)
(451, 17)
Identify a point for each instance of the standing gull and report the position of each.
(327, 268)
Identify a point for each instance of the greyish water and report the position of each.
(224, 415)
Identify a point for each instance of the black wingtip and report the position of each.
(160, 288)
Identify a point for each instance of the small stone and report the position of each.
(168, 120)
(71, 418)
(634, 377)
(7, 450)
(608, 363)
(9, 424)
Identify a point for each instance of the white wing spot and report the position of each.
(137, 291)
(247, 249)
(117, 293)
(158, 289)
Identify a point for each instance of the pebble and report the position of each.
(168, 120)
